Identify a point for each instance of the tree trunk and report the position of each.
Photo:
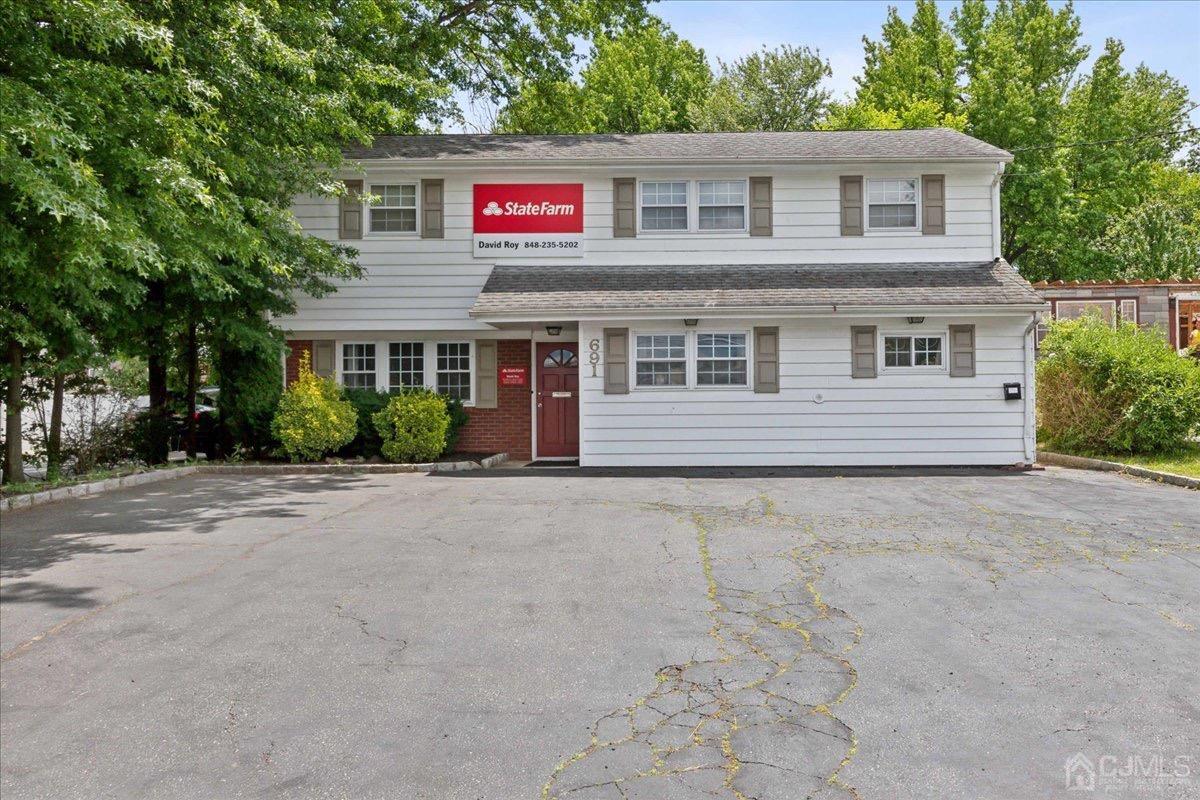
(157, 423)
(14, 471)
(193, 367)
(54, 438)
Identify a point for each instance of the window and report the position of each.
(1129, 311)
(913, 351)
(661, 360)
(892, 204)
(454, 369)
(560, 358)
(721, 359)
(358, 366)
(406, 365)
(722, 205)
(1074, 309)
(664, 206)
(394, 208)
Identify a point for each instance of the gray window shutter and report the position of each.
(852, 205)
(766, 360)
(760, 207)
(485, 373)
(616, 361)
(624, 208)
(962, 351)
(323, 358)
(350, 211)
(862, 351)
(433, 203)
(933, 203)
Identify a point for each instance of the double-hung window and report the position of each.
(454, 369)
(406, 365)
(394, 208)
(892, 204)
(665, 206)
(722, 205)
(358, 366)
(720, 359)
(913, 351)
(661, 359)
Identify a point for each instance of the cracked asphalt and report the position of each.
(604, 634)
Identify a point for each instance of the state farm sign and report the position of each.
(528, 220)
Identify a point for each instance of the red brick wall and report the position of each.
(295, 348)
(508, 427)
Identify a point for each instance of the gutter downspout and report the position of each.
(1030, 432)
(996, 210)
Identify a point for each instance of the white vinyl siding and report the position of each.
(358, 366)
(821, 416)
(892, 203)
(393, 208)
(427, 285)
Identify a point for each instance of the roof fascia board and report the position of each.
(475, 164)
(758, 312)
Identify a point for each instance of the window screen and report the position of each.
(721, 359)
(394, 208)
(661, 360)
(664, 206)
(892, 203)
(722, 205)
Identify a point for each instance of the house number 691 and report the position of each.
(594, 355)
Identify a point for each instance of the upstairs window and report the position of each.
(722, 205)
(358, 366)
(661, 360)
(892, 204)
(665, 206)
(721, 359)
(394, 208)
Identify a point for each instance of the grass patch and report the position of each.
(28, 487)
(1185, 461)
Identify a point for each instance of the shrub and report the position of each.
(251, 383)
(313, 418)
(367, 403)
(458, 418)
(413, 426)
(1104, 389)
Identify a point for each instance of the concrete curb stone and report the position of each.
(1079, 462)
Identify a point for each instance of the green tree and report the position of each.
(771, 90)
(644, 79)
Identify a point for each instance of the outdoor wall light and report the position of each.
(691, 323)
(553, 330)
(915, 320)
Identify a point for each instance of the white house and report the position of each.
(817, 298)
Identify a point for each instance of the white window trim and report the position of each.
(915, 230)
(693, 208)
(433, 384)
(368, 233)
(1121, 310)
(341, 363)
(944, 335)
(688, 351)
(734, 387)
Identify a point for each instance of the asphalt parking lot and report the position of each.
(524, 634)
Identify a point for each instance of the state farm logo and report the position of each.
(514, 209)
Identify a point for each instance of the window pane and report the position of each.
(664, 193)
(897, 351)
(1074, 309)
(892, 191)
(454, 369)
(660, 346)
(388, 220)
(661, 373)
(893, 216)
(721, 345)
(722, 218)
(395, 195)
(406, 365)
(927, 351)
(665, 219)
(722, 193)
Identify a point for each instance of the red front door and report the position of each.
(557, 399)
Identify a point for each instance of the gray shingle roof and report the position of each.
(929, 143)
(522, 289)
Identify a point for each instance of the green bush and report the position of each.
(458, 418)
(367, 403)
(1114, 390)
(413, 426)
(251, 383)
(313, 418)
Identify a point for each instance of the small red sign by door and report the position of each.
(514, 376)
